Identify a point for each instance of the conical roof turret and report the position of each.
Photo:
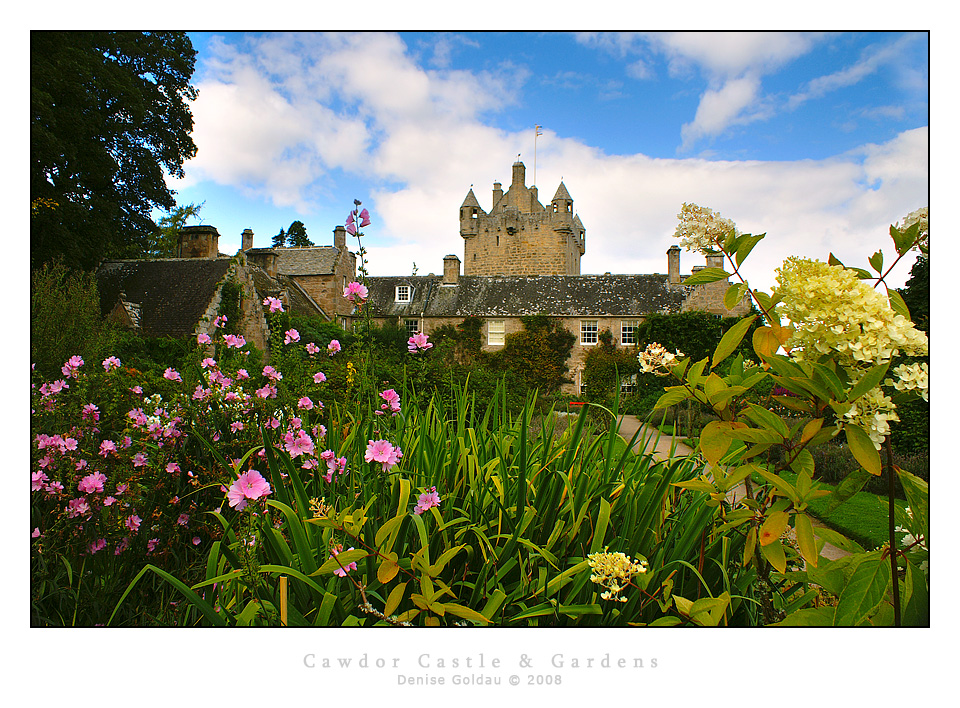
(562, 193)
(470, 200)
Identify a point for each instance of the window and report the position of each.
(628, 384)
(628, 332)
(404, 293)
(588, 332)
(495, 332)
(412, 327)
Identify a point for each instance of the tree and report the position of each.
(165, 244)
(280, 240)
(109, 115)
(537, 355)
(916, 294)
(297, 235)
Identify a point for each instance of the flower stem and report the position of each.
(892, 529)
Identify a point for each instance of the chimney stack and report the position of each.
(451, 270)
(246, 240)
(673, 265)
(340, 237)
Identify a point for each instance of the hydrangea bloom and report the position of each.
(418, 343)
(383, 452)
(701, 229)
(911, 377)
(613, 571)
(656, 360)
(249, 486)
(427, 501)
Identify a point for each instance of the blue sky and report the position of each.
(819, 140)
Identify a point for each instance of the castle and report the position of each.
(520, 258)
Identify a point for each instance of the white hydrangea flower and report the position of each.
(911, 377)
(873, 412)
(655, 359)
(702, 229)
(613, 571)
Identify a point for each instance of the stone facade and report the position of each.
(519, 236)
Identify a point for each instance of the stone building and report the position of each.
(522, 258)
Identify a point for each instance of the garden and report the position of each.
(370, 479)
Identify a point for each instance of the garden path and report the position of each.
(661, 445)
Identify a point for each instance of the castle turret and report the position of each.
(470, 212)
(198, 242)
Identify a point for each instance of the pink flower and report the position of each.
(133, 523)
(97, 545)
(151, 544)
(70, 368)
(267, 391)
(272, 373)
(207, 363)
(136, 389)
(305, 404)
(183, 519)
(234, 340)
(298, 444)
(291, 335)
(70, 443)
(335, 465)
(274, 304)
(109, 501)
(242, 374)
(36, 533)
(90, 411)
(427, 501)
(54, 488)
(355, 219)
(196, 540)
(355, 291)
(319, 377)
(203, 338)
(333, 347)
(110, 363)
(220, 321)
(235, 426)
(77, 507)
(92, 483)
(417, 343)
(139, 460)
(106, 447)
(312, 348)
(342, 572)
(392, 399)
(37, 480)
(173, 468)
(248, 486)
(121, 488)
(383, 452)
(199, 393)
(171, 375)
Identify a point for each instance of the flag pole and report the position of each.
(536, 134)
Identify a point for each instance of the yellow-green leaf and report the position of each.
(862, 448)
(805, 539)
(713, 441)
(465, 612)
(394, 599)
(731, 339)
(734, 295)
(388, 568)
(775, 556)
(773, 527)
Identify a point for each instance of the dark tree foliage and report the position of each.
(109, 114)
(696, 334)
(280, 240)
(916, 294)
(537, 355)
(297, 236)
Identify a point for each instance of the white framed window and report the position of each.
(628, 384)
(628, 332)
(412, 327)
(588, 331)
(404, 293)
(496, 332)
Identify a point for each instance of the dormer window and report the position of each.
(404, 293)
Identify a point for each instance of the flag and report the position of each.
(539, 132)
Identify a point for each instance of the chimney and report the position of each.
(714, 260)
(497, 194)
(451, 270)
(246, 240)
(673, 265)
(340, 238)
(519, 174)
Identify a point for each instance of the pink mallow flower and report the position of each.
(37, 480)
(312, 348)
(133, 523)
(92, 483)
(418, 343)
(427, 501)
(333, 347)
(299, 444)
(70, 368)
(171, 375)
(291, 335)
(173, 468)
(248, 486)
(272, 373)
(235, 426)
(274, 304)
(305, 404)
(392, 404)
(355, 291)
(335, 465)
(383, 452)
(319, 377)
(110, 363)
(106, 447)
(203, 338)
(234, 340)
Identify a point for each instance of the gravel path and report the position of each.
(651, 440)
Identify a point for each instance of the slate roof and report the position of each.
(316, 260)
(515, 296)
(173, 294)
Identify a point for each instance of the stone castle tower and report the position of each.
(519, 236)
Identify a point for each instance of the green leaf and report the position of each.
(851, 484)
(808, 617)
(734, 295)
(876, 261)
(897, 304)
(870, 380)
(672, 395)
(746, 244)
(862, 448)
(864, 592)
(731, 339)
(768, 419)
(805, 539)
(465, 612)
(775, 555)
(837, 539)
(706, 275)
(343, 558)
